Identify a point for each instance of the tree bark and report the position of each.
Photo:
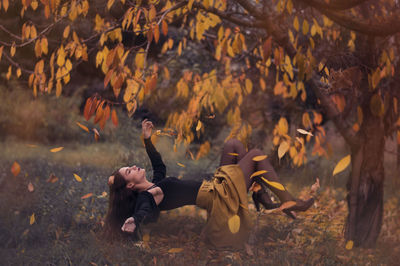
(365, 185)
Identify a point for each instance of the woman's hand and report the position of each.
(129, 225)
(146, 128)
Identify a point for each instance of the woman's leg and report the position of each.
(249, 166)
(232, 146)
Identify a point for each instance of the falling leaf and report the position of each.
(32, 219)
(349, 244)
(175, 250)
(82, 126)
(305, 132)
(87, 195)
(234, 224)
(274, 184)
(258, 173)
(181, 164)
(283, 148)
(259, 158)
(198, 127)
(342, 164)
(78, 178)
(52, 178)
(57, 149)
(96, 134)
(233, 153)
(30, 187)
(15, 168)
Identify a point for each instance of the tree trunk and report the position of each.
(365, 185)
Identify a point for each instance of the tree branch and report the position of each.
(388, 27)
(334, 5)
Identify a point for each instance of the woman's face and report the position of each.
(133, 175)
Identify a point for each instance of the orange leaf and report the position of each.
(15, 168)
(82, 126)
(87, 196)
(114, 117)
(57, 149)
(52, 178)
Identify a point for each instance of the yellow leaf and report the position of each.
(259, 158)
(139, 59)
(349, 244)
(302, 131)
(283, 126)
(32, 219)
(44, 45)
(15, 168)
(182, 165)
(87, 196)
(30, 187)
(249, 86)
(342, 164)
(12, 49)
(57, 149)
(82, 126)
(61, 57)
(274, 184)
(175, 250)
(198, 127)
(66, 32)
(305, 26)
(283, 148)
(18, 72)
(233, 153)
(78, 178)
(258, 173)
(296, 23)
(234, 224)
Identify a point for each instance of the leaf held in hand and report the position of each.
(234, 224)
(342, 164)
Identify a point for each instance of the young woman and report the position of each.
(135, 200)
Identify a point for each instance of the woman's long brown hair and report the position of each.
(121, 206)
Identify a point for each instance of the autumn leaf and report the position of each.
(283, 148)
(198, 127)
(234, 224)
(342, 164)
(57, 149)
(233, 153)
(175, 250)
(274, 184)
(182, 165)
(15, 168)
(86, 195)
(259, 158)
(114, 117)
(52, 178)
(258, 173)
(305, 132)
(32, 219)
(349, 244)
(78, 178)
(30, 187)
(82, 126)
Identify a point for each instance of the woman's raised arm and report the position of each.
(159, 168)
